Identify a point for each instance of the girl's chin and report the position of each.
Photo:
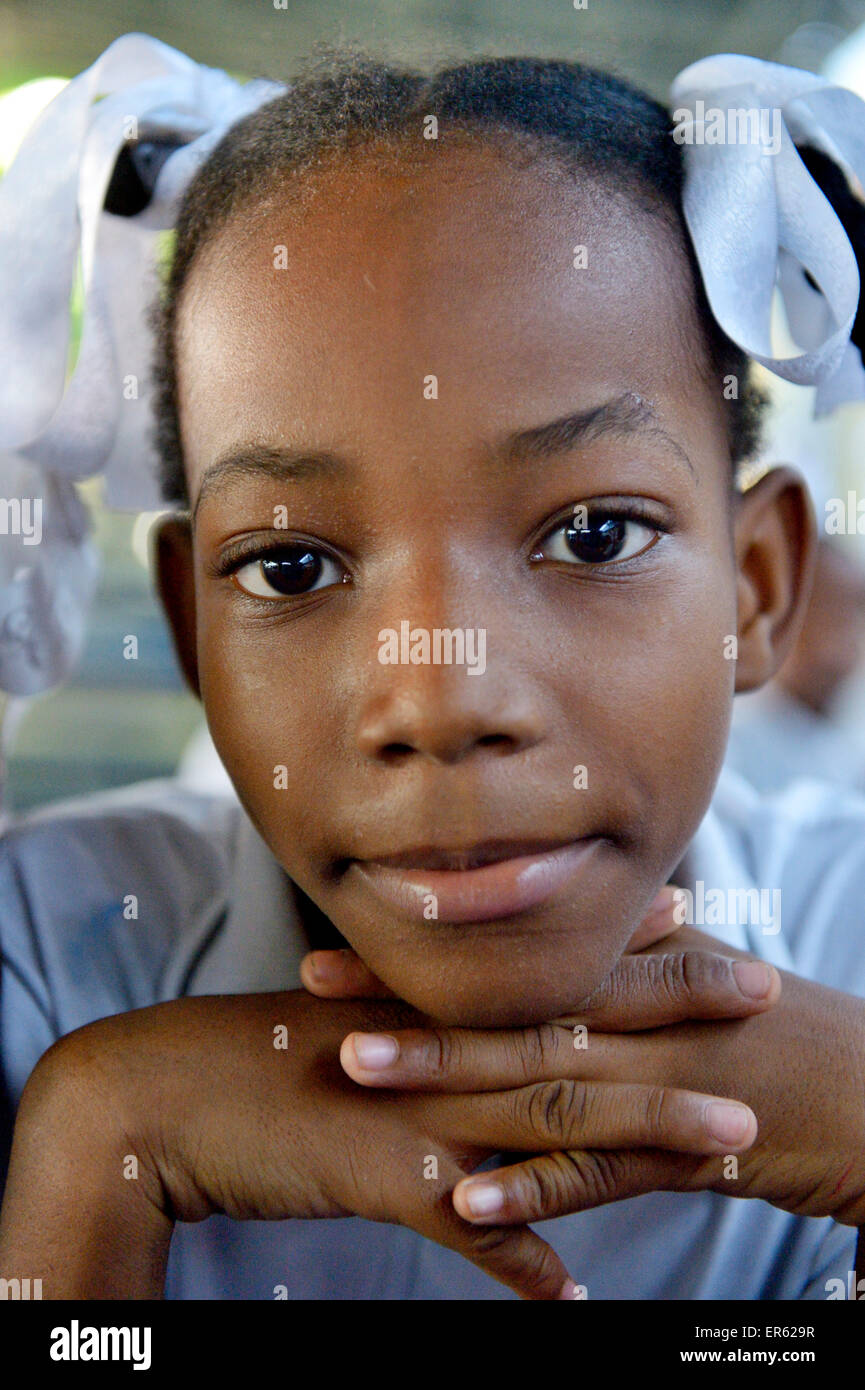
(496, 1014)
(460, 1002)
(513, 973)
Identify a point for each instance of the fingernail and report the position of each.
(727, 1123)
(483, 1198)
(753, 977)
(314, 965)
(665, 899)
(375, 1051)
(569, 1290)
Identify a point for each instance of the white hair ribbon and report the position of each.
(758, 220)
(56, 428)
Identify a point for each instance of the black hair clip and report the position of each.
(133, 179)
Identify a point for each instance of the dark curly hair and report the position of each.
(590, 121)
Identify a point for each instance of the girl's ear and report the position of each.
(175, 578)
(776, 544)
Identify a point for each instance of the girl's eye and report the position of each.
(595, 539)
(290, 571)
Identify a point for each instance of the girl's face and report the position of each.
(447, 393)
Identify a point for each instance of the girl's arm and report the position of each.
(70, 1217)
(238, 1104)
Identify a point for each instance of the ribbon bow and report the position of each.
(144, 96)
(758, 220)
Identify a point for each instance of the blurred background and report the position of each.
(117, 721)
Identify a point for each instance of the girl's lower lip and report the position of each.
(495, 890)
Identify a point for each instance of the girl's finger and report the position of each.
(560, 1184)
(658, 921)
(651, 991)
(561, 1115)
(642, 992)
(340, 975)
(460, 1059)
(512, 1254)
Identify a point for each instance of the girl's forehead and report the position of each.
(496, 280)
(472, 206)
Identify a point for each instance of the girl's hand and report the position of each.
(799, 1066)
(238, 1104)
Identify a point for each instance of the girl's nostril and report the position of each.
(396, 750)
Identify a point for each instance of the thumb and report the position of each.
(340, 975)
(658, 922)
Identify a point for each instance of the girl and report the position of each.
(436, 351)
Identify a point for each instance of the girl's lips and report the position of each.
(494, 890)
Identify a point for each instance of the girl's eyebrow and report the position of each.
(251, 460)
(627, 414)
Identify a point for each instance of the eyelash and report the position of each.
(255, 551)
(633, 510)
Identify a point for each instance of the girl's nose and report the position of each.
(445, 714)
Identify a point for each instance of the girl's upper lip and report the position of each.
(431, 858)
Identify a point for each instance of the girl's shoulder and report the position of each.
(100, 897)
(805, 846)
(155, 842)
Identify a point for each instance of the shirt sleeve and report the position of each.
(27, 1024)
(98, 901)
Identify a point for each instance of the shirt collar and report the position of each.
(258, 941)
